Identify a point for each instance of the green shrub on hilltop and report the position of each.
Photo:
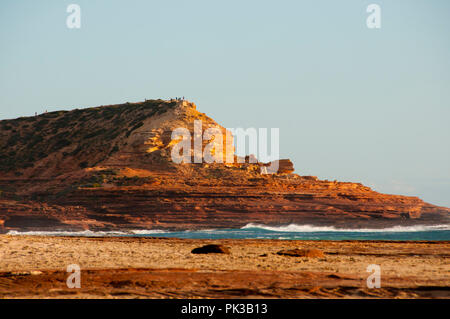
(109, 171)
(132, 181)
(40, 125)
(84, 164)
(36, 139)
(97, 179)
(115, 149)
(63, 122)
(13, 140)
(95, 133)
(138, 125)
(59, 144)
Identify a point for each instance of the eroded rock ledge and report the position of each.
(109, 168)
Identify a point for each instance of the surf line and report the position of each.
(209, 310)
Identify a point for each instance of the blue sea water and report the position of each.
(289, 232)
(265, 234)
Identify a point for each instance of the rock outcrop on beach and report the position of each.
(211, 249)
(110, 168)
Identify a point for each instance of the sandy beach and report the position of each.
(35, 267)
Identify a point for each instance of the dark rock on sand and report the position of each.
(211, 249)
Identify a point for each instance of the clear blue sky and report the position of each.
(352, 104)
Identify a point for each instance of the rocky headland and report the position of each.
(110, 168)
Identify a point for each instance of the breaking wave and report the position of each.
(293, 228)
(291, 232)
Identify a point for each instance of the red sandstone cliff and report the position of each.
(110, 168)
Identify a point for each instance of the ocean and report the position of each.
(289, 232)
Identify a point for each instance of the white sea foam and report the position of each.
(287, 228)
(310, 228)
(147, 231)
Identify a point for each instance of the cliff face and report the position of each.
(110, 167)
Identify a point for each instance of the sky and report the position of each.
(352, 103)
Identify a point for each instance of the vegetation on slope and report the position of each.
(82, 133)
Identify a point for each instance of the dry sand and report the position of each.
(35, 267)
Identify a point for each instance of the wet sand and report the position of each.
(35, 267)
